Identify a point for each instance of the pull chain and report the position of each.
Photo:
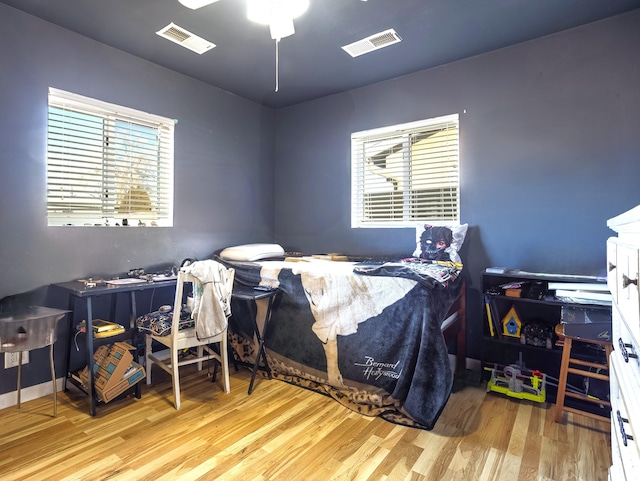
(277, 67)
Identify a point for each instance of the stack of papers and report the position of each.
(582, 292)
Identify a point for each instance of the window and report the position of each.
(107, 163)
(406, 173)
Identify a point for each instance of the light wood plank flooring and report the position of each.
(283, 432)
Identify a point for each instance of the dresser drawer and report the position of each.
(627, 286)
(624, 412)
(616, 471)
(625, 344)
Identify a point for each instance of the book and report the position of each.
(585, 296)
(100, 325)
(501, 270)
(579, 286)
(487, 305)
(495, 270)
(109, 333)
(497, 322)
(568, 277)
(495, 327)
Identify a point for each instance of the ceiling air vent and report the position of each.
(185, 38)
(373, 42)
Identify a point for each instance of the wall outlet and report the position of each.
(11, 359)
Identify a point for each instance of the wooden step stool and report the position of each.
(581, 369)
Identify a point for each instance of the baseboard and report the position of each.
(474, 364)
(470, 363)
(30, 393)
(40, 390)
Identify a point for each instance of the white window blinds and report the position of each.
(107, 163)
(406, 173)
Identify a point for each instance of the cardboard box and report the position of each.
(133, 375)
(114, 370)
(111, 369)
(99, 356)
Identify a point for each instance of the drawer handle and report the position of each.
(621, 422)
(626, 281)
(612, 266)
(625, 353)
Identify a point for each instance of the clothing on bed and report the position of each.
(426, 272)
(373, 342)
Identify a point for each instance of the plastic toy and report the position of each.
(537, 333)
(511, 323)
(516, 382)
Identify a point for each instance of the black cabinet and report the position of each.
(520, 315)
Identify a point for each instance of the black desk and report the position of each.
(250, 296)
(78, 290)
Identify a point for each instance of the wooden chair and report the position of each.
(581, 368)
(179, 340)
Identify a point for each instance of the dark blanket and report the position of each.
(373, 342)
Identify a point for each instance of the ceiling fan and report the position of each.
(278, 14)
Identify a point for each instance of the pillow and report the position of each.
(439, 242)
(251, 252)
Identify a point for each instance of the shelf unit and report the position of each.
(543, 309)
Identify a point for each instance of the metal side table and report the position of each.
(28, 329)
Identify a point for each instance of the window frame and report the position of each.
(448, 213)
(107, 163)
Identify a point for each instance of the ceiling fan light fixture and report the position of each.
(278, 14)
(281, 27)
(196, 4)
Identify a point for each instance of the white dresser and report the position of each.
(623, 267)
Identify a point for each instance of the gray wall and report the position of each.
(550, 149)
(223, 166)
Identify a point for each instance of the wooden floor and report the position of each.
(282, 432)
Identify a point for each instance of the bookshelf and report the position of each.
(517, 303)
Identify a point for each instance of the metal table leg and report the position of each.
(260, 337)
(19, 375)
(53, 380)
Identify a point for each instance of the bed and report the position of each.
(368, 333)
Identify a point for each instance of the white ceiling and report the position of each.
(312, 63)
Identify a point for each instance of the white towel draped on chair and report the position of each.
(211, 297)
(184, 346)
